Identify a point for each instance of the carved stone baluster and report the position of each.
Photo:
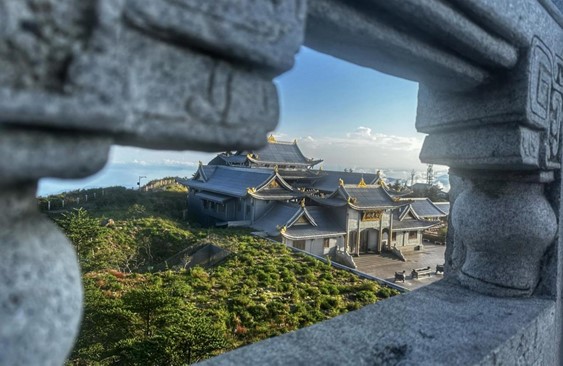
(40, 284)
(77, 76)
(504, 141)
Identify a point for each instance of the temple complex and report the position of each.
(278, 192)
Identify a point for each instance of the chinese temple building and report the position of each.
(277, 192)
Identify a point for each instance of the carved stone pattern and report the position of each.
(546, 100)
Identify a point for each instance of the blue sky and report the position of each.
(350, 116)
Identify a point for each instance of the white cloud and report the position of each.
(364, 149)
(139, 162)
(174, 162)
(363, 133)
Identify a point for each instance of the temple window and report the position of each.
(299, 244)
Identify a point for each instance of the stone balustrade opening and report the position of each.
(77, 77)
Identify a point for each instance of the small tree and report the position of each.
(84, 232)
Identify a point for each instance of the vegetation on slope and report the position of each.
(134, 317)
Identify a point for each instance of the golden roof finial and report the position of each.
(340, 182)
(271, 138)
(362, 183)
(276, 168)
(251, 190)
(283, 229)
(302, 203)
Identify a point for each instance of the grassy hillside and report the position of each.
(136, 317)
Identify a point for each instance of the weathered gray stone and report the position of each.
(30, 155)
(264, 33)
(364, 34)
(76, 76)
(40, 289)
(506, 228)
(138, 73)
(440, 324)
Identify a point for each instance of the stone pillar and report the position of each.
(78, 76)
(40, 285)
(504, 146)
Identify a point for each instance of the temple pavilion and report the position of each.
(278, 192)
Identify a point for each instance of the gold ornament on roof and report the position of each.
(276, 168)
(271, 138)
(362, 183)
(340, 182)
(302, 203)
(251, 190)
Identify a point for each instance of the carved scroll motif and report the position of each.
(546, 100)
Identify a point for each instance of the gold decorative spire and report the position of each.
(302, 203)
(276, 168)
(362, 183)
(271, 138)
(340, 182)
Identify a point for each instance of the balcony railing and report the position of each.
(195, 74)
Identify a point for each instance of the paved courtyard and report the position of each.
(385, 265)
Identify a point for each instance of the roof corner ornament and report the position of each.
(340, 182)
(250, 190)
(283, 229)
(271, 138)
(200, 163)
(276, 168)
(302, 203)
(362, 183)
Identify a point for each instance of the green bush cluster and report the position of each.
(134, 317)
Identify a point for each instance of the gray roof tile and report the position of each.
(231, 181)
(282, 152)
(444, 206)
(330, 179)
(424, 207)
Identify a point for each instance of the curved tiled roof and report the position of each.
(424, 207)
(283, 153)
(282, 219)
(230, 181)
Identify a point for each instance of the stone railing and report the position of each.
(78, 76)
